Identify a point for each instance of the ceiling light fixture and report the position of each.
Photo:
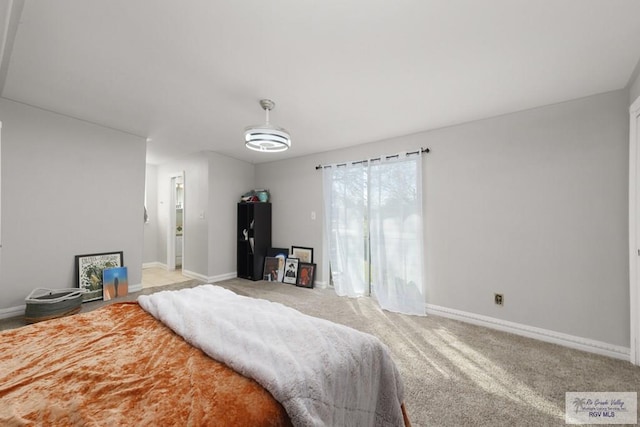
(267, 138)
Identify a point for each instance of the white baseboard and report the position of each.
(571, 341)
(18, 311)
(209, 279)
(221, 277)
(154, 264)
(135, 288)
(194, 275)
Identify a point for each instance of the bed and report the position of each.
(146, 363)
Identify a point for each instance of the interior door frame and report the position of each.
(171, 229)
(634, 232)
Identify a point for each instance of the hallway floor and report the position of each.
(159, 276)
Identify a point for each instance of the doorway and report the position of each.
(176, 228)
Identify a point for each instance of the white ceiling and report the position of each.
(188, 74)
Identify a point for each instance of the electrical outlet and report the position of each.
(499, 299)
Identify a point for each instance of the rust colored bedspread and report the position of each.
(120, 366)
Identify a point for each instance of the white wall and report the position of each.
(296, 191)
(151, 230)
(68, 188)
(228, 180)
(531, 204)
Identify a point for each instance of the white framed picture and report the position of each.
(291, 271)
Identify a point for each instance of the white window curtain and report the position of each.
(373, 224)
(395, 228)
(345, 208)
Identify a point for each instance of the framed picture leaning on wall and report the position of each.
(115, 283)
(281, 254)
(306, 275)
(291, 271)
(302, 253)
(270, 273)
(88, 272)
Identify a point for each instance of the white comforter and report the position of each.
(323, 374)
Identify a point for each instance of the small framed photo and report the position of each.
(281, 254)
(306, 275)
(115, 283)
(302, 253)
(271, 265)
(88, 272)
(291, 271)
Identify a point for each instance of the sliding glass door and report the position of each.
(373, 223)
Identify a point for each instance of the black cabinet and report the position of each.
(254, 238)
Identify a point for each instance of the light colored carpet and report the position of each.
(456, 374)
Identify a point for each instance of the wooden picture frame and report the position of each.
(88, 272)
(304, 254)
(306, 275)
(291, 271)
